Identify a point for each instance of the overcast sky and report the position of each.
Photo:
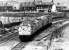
(27, 0)
(62, 2)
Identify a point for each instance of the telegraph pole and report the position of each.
(52, 0)
(34, 0)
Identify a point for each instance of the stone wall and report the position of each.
(7, 20)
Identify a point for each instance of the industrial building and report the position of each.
(25, 6)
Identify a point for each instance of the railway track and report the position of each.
(41, 37)
(45, 33)
(8, 36)
(19, 46)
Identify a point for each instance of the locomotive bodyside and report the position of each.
(35, 24)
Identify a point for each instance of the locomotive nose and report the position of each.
(24, 32)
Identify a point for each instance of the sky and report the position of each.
(62, 2)
(26, 0)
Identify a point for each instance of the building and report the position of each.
(43, 6)
(25, 6)
(28, 6)
(35, 6)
